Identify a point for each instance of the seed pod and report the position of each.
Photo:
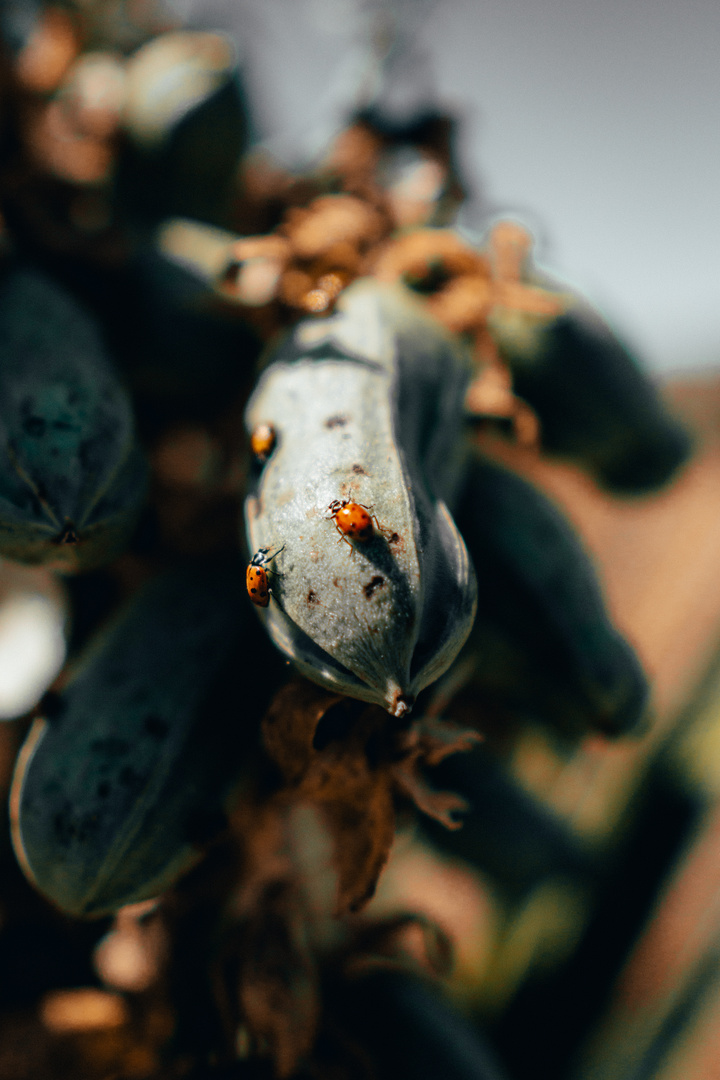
(543, 642)
(365, 408)
(507, 833)
(72, 477)
(594, 402)
(187, 124)
(409, 1029)
(131, 767)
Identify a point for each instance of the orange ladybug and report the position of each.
(256, 577)
(353, 520)
(262, 441)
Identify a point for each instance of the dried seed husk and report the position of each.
(365, 406)
(127, 775)
(543, 642)
(73, 477)
(594, 402)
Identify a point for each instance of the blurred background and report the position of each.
(596, 122)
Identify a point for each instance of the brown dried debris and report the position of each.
(354, 779)
(305, 264)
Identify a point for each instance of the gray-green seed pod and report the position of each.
(72, 476)
(132, 765)
(543, 643)
(365, 408)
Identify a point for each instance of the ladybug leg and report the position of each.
(347, 540)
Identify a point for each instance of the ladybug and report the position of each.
(353, 521)
(256, 577)
(262, 441)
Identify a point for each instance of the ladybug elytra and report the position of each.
(354, 521)
(256, 578)
(262, 441)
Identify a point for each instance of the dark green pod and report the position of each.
(543, 642)
(132, 765)
(410, 1030)
(595, 404)
(187, 127)
(72, 476)
(507, 833)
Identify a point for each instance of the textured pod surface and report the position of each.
(365, 407)
(594, 402)
(132, 765)
(72, 476)
(543, 641)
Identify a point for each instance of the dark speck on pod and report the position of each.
(375, 583)
(156, 726)
(34, 426)
(130, 778)
(359, 471)
(312, 597)
(336, 421)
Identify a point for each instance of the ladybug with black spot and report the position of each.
(256, 578)
(354, 521)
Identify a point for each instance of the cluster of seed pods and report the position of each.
(387, 558)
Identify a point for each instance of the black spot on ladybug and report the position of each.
(336, 421)
(312, 597)
(156, 726)
(358, 470)
(375, 583)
